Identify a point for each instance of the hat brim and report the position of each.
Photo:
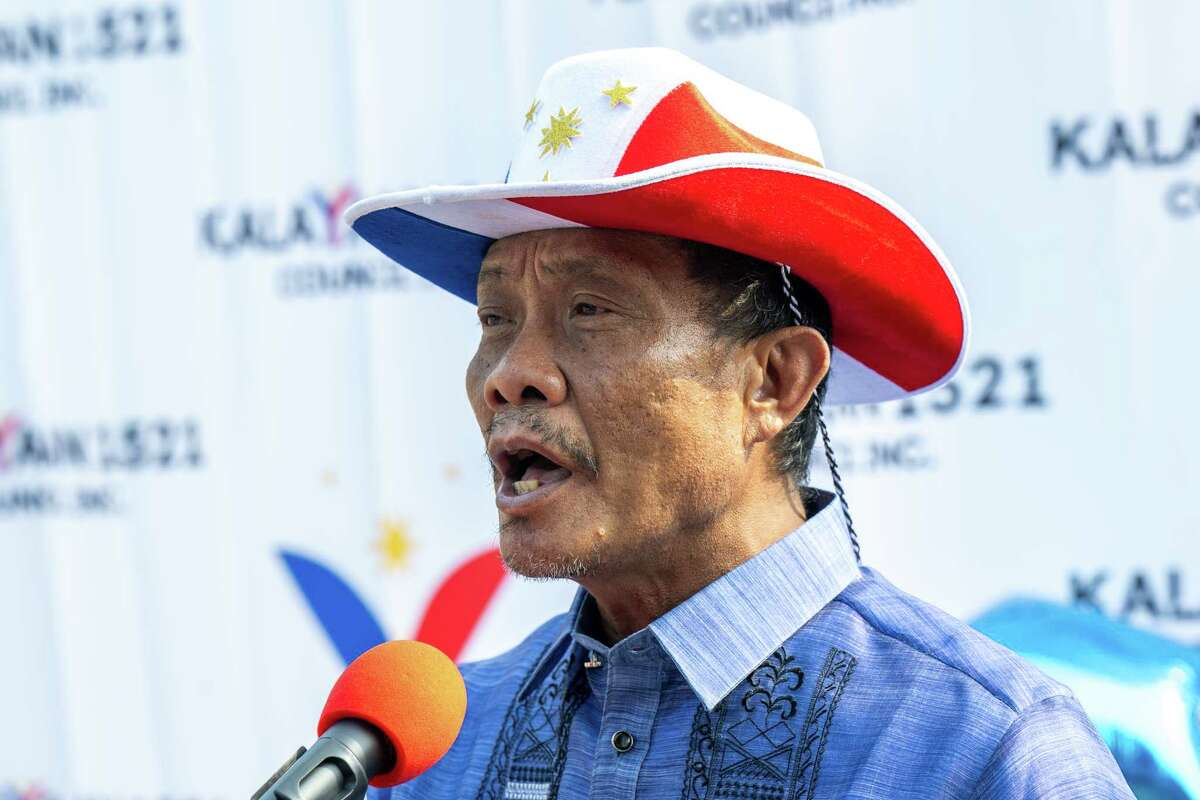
(900, 317)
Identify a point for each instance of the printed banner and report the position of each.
(234, 445)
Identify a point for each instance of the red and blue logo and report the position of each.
(449, 619)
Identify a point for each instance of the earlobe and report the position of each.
(761, 428)
(771, 425)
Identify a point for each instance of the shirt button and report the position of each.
(622, 741)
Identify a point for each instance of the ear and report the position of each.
(785, 368)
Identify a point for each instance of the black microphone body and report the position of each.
(338, 766)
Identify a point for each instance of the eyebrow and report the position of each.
(489, 272)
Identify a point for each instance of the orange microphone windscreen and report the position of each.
(411, 692)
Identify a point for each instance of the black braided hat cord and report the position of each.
(833, 467)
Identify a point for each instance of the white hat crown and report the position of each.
(589, 108)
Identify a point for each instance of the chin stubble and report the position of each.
(541, 568)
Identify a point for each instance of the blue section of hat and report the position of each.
(446, 256)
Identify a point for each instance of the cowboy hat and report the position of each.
(647, 139)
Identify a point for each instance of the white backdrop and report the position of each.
(233, 440)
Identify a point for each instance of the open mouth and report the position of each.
(526, 475)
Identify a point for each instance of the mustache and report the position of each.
(554, 436)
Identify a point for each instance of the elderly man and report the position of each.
(669, 284)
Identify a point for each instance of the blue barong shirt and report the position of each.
(795, 676)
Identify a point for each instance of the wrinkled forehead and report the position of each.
(586, 252)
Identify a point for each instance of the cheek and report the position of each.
(671, 435)
(692, 426)
(477, 373)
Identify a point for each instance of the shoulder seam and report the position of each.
(1005, 701)
(1004, 738)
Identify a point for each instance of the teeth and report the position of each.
(524, 487)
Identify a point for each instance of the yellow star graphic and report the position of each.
(546, 177)
(394, 544)
(619, 94)
(532, 112)
(563, 128)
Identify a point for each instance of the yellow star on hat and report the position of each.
(619, 94)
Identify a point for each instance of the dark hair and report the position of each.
(748, 300)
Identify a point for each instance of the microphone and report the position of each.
(391, 715)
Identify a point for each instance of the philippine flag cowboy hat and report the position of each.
(649, 140)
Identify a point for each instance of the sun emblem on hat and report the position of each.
(563, 128)
(534, 107)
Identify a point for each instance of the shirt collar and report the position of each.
(720, 634)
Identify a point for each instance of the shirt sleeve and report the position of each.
(1052, 752)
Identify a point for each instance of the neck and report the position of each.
(684, 562)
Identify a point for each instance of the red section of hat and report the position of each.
(684, 125)
(894, 309)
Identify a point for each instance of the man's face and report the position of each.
(614, 419)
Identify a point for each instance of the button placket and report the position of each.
(630, 708)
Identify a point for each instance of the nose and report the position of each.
(526, 375)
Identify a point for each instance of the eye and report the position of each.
(586, 310)
(489, 320)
